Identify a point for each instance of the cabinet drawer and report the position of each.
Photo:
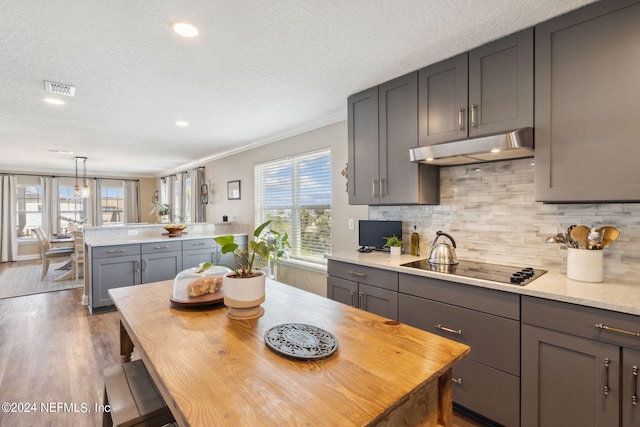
(115, 250)
(490, 301)
(188, 245)
(494, 341)
(361, 274)
(487, 391)
(580, 320)
(152, 248)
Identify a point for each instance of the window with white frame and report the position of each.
(71, 208)
(295, 194)
(112, 201)
(29, 201)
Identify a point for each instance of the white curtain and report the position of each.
(197, 204)
(8, 222)
(131, 203)
(50, 204)
(94, 203)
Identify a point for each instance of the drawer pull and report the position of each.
(456, 380)
(116, 251)
(606, 376)
(161, 247)
(445, 329)
(356, 273)
(634, 398)
(620, 331)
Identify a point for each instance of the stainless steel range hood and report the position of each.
(512, 145)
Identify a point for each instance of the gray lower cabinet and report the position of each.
(586, 89)
(367, 288)
(485, 91)
(382, 127)
(113, 267)
(197, 251)
(161, 261)
(487, 381)
(579, 365)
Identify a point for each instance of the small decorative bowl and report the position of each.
(174, 230)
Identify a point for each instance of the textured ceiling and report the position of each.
(258, 71)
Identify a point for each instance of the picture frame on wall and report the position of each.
(233, 190)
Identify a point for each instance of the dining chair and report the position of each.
(47, 252)
(77, 258)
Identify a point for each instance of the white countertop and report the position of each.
(150, 239)
(624, 298)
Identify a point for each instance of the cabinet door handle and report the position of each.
(612, 329)
(606, 376)
(461, 118)
(357, 273)
(634, 397)
(456, 380)
(353, 298)
(361, 300)
(381, 185)
(373, 188)
(445, 329)
(144, 265)
(474, 111)
(137, 266)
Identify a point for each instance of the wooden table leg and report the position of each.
(126, 345)
(445, 399)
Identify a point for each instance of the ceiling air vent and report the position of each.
(59, 88)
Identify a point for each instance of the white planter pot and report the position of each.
(244, 296)
(396, 250)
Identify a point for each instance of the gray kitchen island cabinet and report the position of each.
(487, 382)
(370, 289)
(485, 91)
(113, 267)
(586, 90)
(579, 365)
(382, 127)
(161, 261)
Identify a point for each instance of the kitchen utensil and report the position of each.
(572, 243)
(609, 234)
(581, 235)
(443, 253)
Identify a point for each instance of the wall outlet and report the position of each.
(351, 224)
(133, 232)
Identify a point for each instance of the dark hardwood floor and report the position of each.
(52, 355)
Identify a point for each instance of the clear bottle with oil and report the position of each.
(414, 248)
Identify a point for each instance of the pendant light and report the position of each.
(84, 192)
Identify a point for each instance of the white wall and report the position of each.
(240, 167)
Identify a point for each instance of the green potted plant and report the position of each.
(394, 244)
(278, 244)
(162, 212)
(244, 287)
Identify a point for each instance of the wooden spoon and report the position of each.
(580, 234)
(609, 234)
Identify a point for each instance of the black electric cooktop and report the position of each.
(480, 270)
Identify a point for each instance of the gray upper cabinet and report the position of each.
(486, 91)
(587, 68)
(383, 125)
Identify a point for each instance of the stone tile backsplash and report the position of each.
(490, 211)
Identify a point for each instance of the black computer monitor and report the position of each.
(372, 233)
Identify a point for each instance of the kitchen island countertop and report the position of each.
(608, 295)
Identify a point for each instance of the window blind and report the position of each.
(295, 194)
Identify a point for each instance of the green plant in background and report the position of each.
(393, 241)
(160, 209)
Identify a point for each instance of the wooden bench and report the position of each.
(133, 398)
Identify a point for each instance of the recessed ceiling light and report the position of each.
(182, 123)
(61, 151)
(54, 101)
(185, 29)
(495, 150)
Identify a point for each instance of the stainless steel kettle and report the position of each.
(443, 253)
